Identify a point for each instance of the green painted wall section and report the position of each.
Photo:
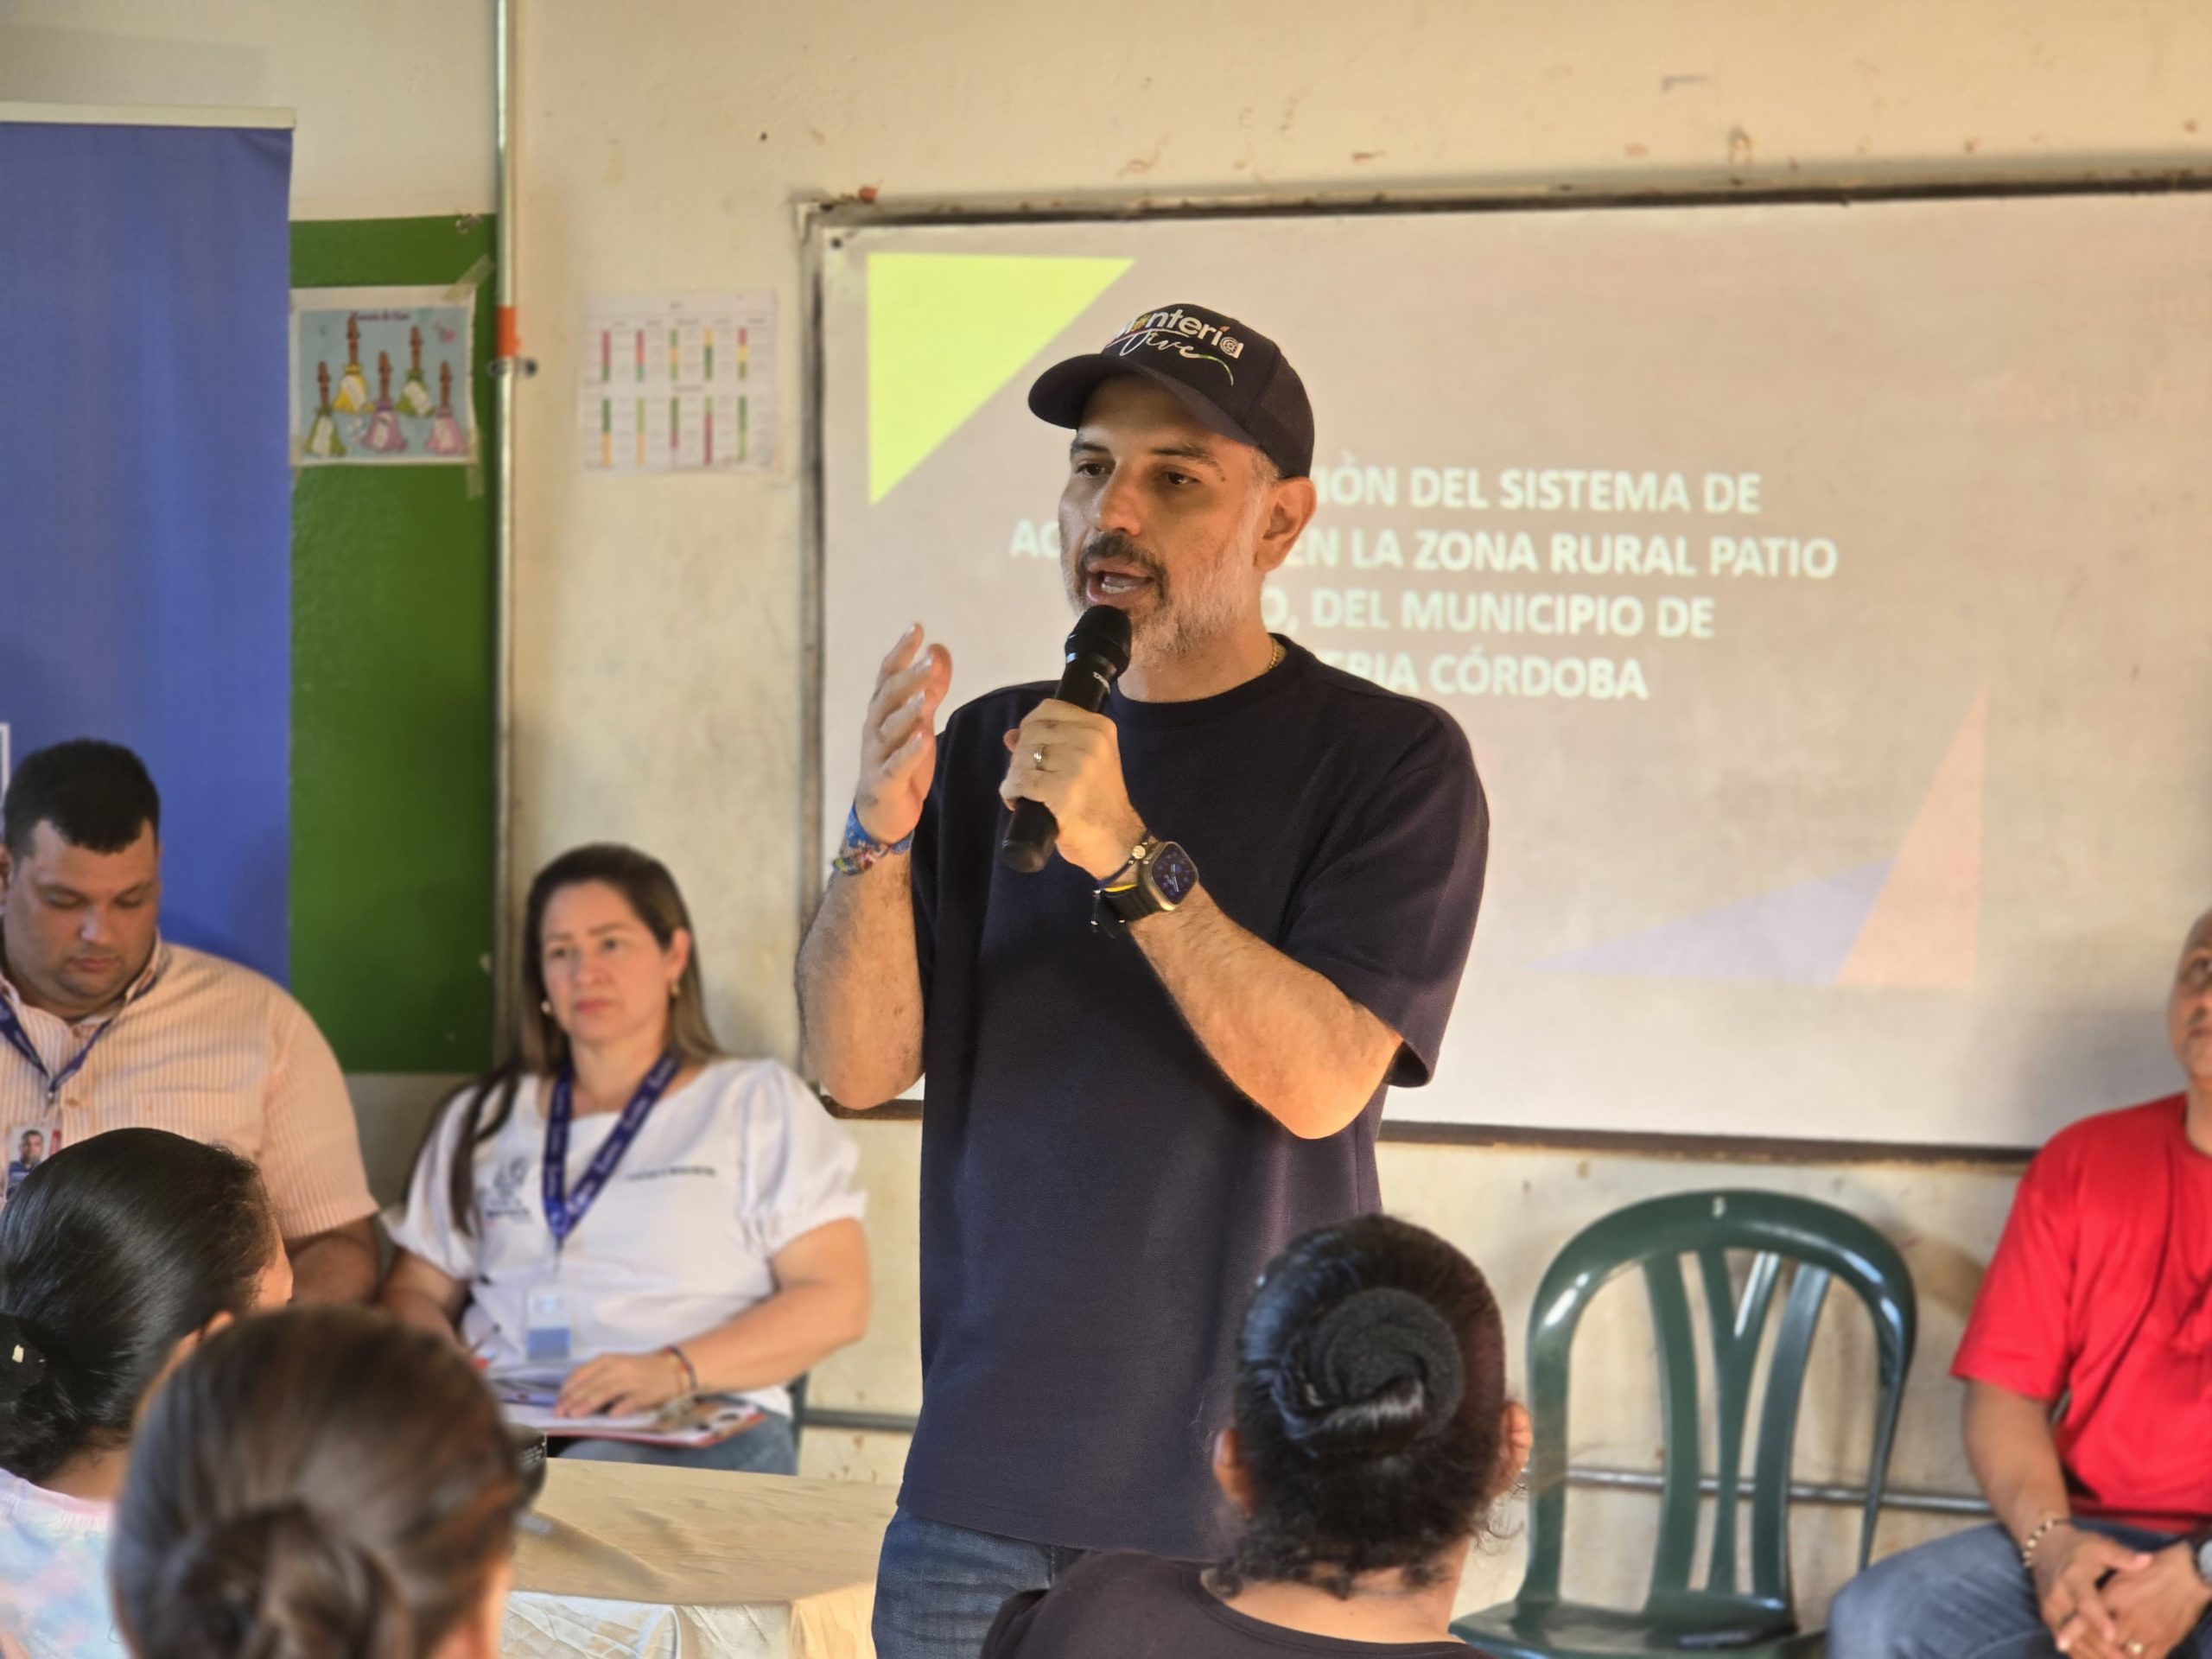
(392, 670)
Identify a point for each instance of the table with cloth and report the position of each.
(620, 1560)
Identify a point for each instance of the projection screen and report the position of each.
(1826, 590)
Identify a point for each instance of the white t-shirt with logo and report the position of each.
(725, 1173)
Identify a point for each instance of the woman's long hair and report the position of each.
(1371, 1389)
(538, 1047)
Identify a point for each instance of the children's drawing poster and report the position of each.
(679, 382)
(380, 376)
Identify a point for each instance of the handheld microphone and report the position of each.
(1097, 651)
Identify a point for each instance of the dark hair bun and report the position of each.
(1371, 1399)
(277, 1583)
(37, 1428)
(23, 1366)
(1376, 1372)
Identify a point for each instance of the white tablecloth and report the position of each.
(628, 1559)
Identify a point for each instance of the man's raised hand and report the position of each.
(898, 737)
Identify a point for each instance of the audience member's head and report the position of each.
(1372, 1426)
(319, 1482)
(117, 1254)
(608, 954)
(80, 874)
(2188, 1008)
(607, 957)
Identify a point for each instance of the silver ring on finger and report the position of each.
(2135, 1650)
(1037, 757)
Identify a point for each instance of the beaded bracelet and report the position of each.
(860, 849)
(2028, 1544)
(684, 1363)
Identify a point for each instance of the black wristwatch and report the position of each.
(1158, 876)
(2200, 1552)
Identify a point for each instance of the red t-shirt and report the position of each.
(2102, 1291)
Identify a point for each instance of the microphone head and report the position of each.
(1102, 631)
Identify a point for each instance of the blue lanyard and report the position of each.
(20, 1041)
(564, 1209)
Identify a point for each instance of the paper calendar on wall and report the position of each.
(678, 383)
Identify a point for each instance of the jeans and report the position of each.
(766, 1448)
(938, 1588)
(1964, 1597)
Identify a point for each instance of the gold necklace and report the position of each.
(1275, 661)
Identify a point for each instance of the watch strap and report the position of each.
(2198, 1543)
(1125, 896)
(1132, 902)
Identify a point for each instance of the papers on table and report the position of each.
(527, 1398)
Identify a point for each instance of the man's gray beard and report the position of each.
(1168, 634)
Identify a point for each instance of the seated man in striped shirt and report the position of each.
(104, 1025)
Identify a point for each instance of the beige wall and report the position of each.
(660, 686)
(394, 97)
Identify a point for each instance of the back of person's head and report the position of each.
(1373, 1428)
(323, 1483)
(113, 1252)
(97, 796)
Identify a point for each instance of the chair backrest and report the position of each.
(1824, 1244)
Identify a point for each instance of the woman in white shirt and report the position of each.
(118, 1255)
(624, 1206)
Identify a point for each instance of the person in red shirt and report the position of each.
(2088, 1363)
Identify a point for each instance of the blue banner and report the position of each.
(145, 507)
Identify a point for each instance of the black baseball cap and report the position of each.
(1233, 377)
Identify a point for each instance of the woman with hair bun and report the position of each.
(118, 1255)
(321, 1484)
(1372, 1434)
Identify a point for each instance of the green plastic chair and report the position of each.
(1826, 1244)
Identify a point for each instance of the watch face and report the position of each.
(1172, 874)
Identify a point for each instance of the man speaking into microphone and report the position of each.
(1160, 1056)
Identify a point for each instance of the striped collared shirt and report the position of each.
(205, 1048)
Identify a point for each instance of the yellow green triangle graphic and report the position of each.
(946, 330)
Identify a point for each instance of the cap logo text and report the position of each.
(1177, 331)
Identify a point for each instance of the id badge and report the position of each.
(546, 1336)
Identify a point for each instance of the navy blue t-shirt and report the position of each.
(1112, 1606)
(1097, 1198)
